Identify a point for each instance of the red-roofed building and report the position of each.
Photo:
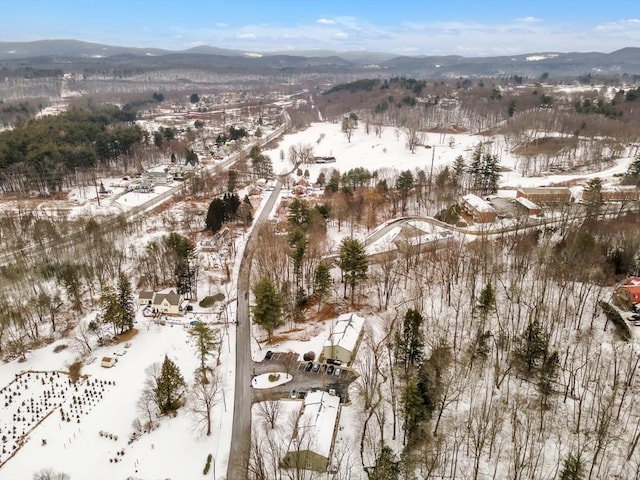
(632, 286)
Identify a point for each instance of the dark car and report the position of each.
(330, 370)
(268, 355)
(308, 367)
(334, 361)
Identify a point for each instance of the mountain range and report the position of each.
(58, 53)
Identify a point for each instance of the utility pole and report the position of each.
(433, 154)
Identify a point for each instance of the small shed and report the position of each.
(108, 362)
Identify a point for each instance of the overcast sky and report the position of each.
(413, 27)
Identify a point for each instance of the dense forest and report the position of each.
(46, 154)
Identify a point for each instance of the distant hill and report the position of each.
(55, 53)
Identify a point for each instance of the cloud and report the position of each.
(246, 36)
(341, 35)
(528, 19)
(325, 21)
(221, 25)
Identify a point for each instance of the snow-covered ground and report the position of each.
(389, 151)
(175, 450)
(77, 448)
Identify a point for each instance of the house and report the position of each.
(108, 362)
(527, 206)
(145, 298)
(312, 440)
(480, 210)
(156, 178)
(343, 339)
(546, 194)
(170, 303)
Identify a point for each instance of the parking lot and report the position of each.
(307, 376)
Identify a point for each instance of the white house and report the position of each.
(343, 339)
(312, 441)
(170, 303)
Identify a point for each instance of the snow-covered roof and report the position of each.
(345, 331)
(318, 421)
(525, 202)
(477, 203)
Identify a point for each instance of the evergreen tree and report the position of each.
(573, 468)
(354, 264)
(531, 348)
(412, 410)
(206, 341)
(267, 311)
(387, 466)
(410, 342)
(486, 302)
(232, 180)
(126, 304)
(404, 184)
(321, 283)
(169, 386)
(299, 214)
(215, 215)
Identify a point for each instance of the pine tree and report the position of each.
(531, 348)
(404, 184)
(387, 466)
(573, 468)
(127, 309)
(410, 342)
(321, 283)
(206, 341)
(169, 386)
(354, 264)
(267, 311)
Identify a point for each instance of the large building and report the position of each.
(312, 441)
(343, 339)
(546, 194)
(480, 210)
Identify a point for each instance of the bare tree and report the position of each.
(202, 397)
(269, 411)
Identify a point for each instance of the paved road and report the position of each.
(241, 432)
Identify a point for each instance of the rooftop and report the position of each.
(345, 331)
(477, 203)
(318, 420)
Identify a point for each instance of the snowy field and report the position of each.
(76, 447)
(390, 152)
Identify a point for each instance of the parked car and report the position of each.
(294, 394)
(334, 361)
(308, 367)
(316, 367)
(330, 370)
(268, 355)
(337, 371)
(324, 368)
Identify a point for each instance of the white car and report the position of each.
(120, 353)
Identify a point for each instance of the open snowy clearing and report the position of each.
(76, 447)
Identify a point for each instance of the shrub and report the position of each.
(210, 300)
(208, 465)
(274, 377)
